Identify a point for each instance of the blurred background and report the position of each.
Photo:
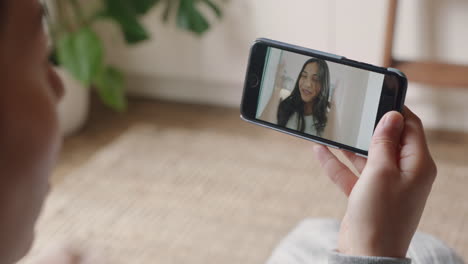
(215, 64)
(158, 168)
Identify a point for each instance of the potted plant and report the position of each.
(79, 52)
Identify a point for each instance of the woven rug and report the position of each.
(180, 196)
(175, 195)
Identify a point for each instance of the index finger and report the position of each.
(358, 162)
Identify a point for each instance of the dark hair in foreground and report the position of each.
(294, 104)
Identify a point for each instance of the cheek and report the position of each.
(318, 88)
(29, 142)
(31, 123)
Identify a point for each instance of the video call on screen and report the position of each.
(320, 98)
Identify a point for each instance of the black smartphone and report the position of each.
(322, 97)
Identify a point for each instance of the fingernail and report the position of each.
(393, 121)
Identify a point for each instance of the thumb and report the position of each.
(386, 140)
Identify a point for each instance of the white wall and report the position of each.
(215, 64)
(350, 85)
(177, 65)
(369, 110)
(269, 79)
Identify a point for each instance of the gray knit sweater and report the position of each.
(336, 258)
(315, 241)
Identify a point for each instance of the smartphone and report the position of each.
(318, 96)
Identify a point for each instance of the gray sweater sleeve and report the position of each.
(337, 258)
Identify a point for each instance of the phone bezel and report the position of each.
(255, 70)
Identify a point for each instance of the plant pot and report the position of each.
(74, 107)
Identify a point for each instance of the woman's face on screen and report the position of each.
(309, 82)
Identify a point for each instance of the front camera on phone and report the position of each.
(253, 80)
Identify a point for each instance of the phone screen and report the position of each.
(320, 98)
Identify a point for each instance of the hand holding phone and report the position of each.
(294, 90)
(387, 200)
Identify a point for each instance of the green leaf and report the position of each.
(183, 16)
(125, 14)
(81, 53)
(109, 84)
(53, 59)
(199, 24)
(215, 8)
(167, 11)
(143, 6)
(189, 18)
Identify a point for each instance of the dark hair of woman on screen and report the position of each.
(306, 108)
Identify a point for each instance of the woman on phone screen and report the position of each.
(306, 108)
